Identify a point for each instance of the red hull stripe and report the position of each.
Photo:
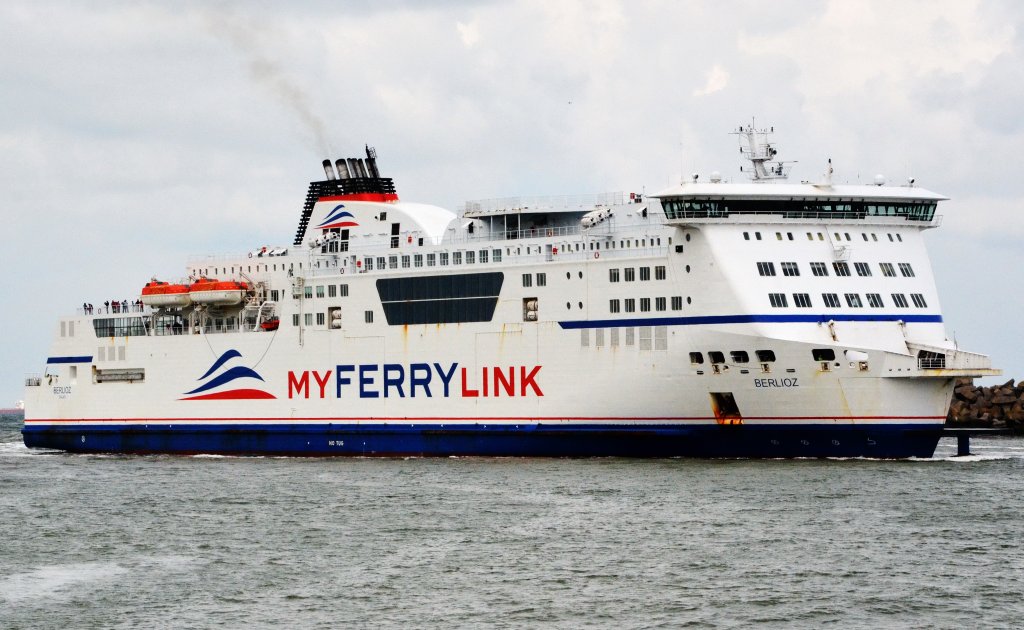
(341, 224)
(234, 394)
(362, 197)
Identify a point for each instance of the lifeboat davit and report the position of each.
(164, 294)
(210, 291)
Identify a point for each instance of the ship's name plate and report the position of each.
(775, 382)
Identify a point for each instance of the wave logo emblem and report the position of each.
(338, 218)
(217, 378)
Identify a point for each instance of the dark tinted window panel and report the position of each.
(446, 299)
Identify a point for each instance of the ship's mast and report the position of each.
(755, 146)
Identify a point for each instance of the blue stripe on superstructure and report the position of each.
(749, 319)
(82, 359)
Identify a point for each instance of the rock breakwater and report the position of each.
(998, 406)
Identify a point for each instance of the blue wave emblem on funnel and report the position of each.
(338, 218)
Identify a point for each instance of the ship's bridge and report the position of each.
(694, 200)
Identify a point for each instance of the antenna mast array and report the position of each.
(755, 146)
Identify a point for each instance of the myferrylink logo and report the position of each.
(218, 380)
(415, 380)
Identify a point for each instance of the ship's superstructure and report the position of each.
(763, 319)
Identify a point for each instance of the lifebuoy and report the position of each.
(597, 254)
(250, 254)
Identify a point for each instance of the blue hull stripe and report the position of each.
(749, 319)
(82, 359)
(538, 440)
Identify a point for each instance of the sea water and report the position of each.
(193, 542)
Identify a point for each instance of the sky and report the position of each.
(135, 135)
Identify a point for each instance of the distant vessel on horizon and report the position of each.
(17, 410)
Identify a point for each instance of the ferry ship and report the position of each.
(712, 319)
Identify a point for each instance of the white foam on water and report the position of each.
(18, 449)
(57, 581)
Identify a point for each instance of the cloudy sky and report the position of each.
(136, 134)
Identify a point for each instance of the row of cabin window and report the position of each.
(432, 260)
(247, 268)
(821, 236)
(831, 300)
(660, 304)
(841, 269)
(629, 274)
(737, 356)
(340, 290)
(321, 318)
(649, 337)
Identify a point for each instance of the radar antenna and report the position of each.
(755, 146)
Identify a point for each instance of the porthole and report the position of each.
(687, 237)
(568, 306)
(689, 300)
(687, 268)
(581, 305)
(581, 275)
(568, 276)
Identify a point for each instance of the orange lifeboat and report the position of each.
(216, 292)
(164, 294)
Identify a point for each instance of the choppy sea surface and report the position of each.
(89, 541)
